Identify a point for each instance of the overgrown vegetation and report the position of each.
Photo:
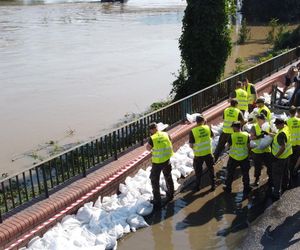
(205, 45)
(286, 11)
(244, 33)
(288, 39)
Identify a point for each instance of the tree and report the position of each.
(205, 45)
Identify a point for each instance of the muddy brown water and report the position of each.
(71, 70)
(201, 220)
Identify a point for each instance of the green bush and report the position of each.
(204, 45)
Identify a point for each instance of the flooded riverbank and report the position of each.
(201, 220)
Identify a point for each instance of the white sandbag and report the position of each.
(265, 126)
(161, 126)
(253, 144)
(98, 203)
(106, 240)
(289, 93)
(265, 142)
(36, 243)
(144, 208)
(192, 118)
(85, 213)
(184, 170)
(70, 222)
(176, 173)
(110, 203)
(136, 221)
(217, 129)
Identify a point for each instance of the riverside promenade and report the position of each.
(36, 219)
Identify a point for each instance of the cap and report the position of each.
(199, 118)
(261, 116)
(153, 125)
(260, 100)
(279, 121)
(236, 124)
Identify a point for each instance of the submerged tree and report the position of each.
(205, 45)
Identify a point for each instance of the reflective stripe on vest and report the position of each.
(288, 146)
(242, 98)
(239, 147)
(294, 127)
(251, 97)
(162, 147)
(257, 141)
(267, 110)
(231, 114)
(202, 145)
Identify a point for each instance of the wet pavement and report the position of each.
(205, 219)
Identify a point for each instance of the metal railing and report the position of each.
(40, 180)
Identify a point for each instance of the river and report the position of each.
(71, 70)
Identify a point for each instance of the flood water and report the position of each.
(71, 70)
(80, 67)
(201, 220)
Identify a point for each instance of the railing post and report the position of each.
(83, 162)
(1, 216)
(45, 181)
(115, 145)
(142, 132)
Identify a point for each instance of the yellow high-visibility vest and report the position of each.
(202, 145)
(231, 114)
(162, 147)
(251, 97)
(239, 147)
(288, 146)
(294, 127)
(258, 133)
(242, 98)
(267, 110)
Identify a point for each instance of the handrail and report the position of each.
(39, 179)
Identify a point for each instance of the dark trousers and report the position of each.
(156, 169)
(259, 160)
(280, 175)
(198, 167)
(292, 166)
(231, 166)
(221, 144)
(293, 158)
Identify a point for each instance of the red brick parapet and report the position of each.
(17, 230)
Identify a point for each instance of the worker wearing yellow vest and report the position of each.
(281, 151)
(252, 94)
(263, 109)
(200, 141)
(261, 156)
(242, 97)
(238, 156)
(161, 146)
(231, 114)
(294, 126)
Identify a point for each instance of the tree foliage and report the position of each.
(286, 11)
(205, 45)
(288, 39)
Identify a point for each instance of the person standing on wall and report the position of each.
(200, 141)
(252, 94)
(230, 115)
(263, 109)
(161, 146)
(281, 151)
(294, 128)
(238, 156)
(261, 156)
(242, 97)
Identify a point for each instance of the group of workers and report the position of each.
(281, 157)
